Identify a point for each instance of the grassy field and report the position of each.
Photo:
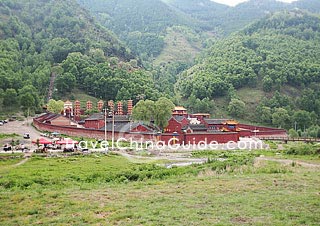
(251, 97)
(110, 190)
(178, 47)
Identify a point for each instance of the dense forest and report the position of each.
(204, 55)
(231, 19)
(142, 25)
(281, 49)
(277, 52)
(41, 38)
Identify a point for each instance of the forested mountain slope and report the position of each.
(278, 51)
(310, 5)
(235, 18)
(208, 12)
(231, 19)
(142, 24)
(41, 37)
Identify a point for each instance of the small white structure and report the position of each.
(194, 121)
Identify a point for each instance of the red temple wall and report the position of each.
(174, 126)
(94, 124)
(195, 138)
(90, 133)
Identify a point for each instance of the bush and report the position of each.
(303, 149)
(293, 133)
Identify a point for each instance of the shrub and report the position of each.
(303, 149)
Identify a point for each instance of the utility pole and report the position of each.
(105, 128)
(295, 126)
(28, 113)
(105, 124)
(112, 140)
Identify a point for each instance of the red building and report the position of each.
(100, 105)
(186, 128)
(130, 107)
(68, 109)
(77, 110)
(111, 105)
(95, 121)
(214, 124)
(120, 108)
(179, 111)
(129, 127)
(57, 120)
(176, 123)
(200, 116)
(89, 105)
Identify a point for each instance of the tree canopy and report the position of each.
(159, 111)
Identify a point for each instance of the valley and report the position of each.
(160, 71)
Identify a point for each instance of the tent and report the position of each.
(42, 141)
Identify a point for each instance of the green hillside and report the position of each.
(231, 19)
(310, 5)
(141, 24)
(208, 12)
(245, 13)
(181, 45)
(274, 59)
(41, 38)
(279, 51)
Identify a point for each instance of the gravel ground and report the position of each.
(19, 127)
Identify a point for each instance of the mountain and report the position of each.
(43, 20)
(141, 24)
(235, 18)
(74, 45)
(231, 19)
(145, 26)
(206, 11)
(277, 54)
(60, 42)
(228, 19)
(310, 5)
(136, 15)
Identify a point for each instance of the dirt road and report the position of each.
(19, 127)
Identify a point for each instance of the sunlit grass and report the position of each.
(110, 190)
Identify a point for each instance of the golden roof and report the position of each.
(179, 108)
(232, 122)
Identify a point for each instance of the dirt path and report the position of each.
(289, 162)
(135, 158)
(21, 162)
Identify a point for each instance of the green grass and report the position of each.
(110, 190)
(8, 135)
(251, 97)
(178, 47)
(77, 94)
(7, 160)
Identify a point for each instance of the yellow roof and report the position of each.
(179, 108)
(232, 122)
(201, 114)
